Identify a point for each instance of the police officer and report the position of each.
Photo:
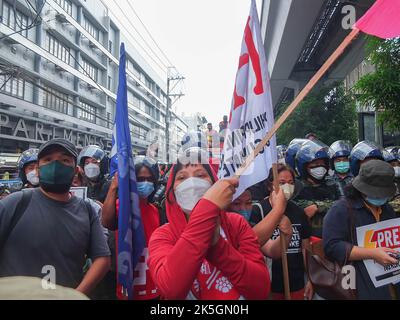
(281, 152)
(362, 153)
(28, 168)
(291, 152)
(391, 156)
(340, 164)
(316, 196)
(95, 162)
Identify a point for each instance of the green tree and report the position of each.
(328, 112)
(381, 89)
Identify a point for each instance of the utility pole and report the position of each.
(172, 82)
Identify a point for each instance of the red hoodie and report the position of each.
(184, 265)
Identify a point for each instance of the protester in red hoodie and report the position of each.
(205, 252)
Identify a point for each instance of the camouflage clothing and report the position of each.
(395, 203)
(340, 183)
(323, 196)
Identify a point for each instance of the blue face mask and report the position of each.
(245, 213)
(145, 189)
(342, 167)
(377, 202)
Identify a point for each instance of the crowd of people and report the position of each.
(201, 243)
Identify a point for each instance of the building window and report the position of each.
(89, 70)
(15, 19)
(139, 133)
(55, 100)
(131, 67)
(66, 5)
(57, 49)
(89, 27)
(12, 86)
(87, 112)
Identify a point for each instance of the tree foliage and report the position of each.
(328, 112)
(381, 89)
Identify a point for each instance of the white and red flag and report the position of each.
(251, 115)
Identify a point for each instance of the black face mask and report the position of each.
(56, 177)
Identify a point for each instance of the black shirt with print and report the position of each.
(301, 231)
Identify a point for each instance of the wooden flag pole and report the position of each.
(249, 160)
(310, 85)
(283, 241)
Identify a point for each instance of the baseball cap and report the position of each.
(63, 143)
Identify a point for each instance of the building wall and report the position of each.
(64, 77)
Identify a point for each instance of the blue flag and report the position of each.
(131, 238)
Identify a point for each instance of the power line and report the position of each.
(79, 65)
(164, 66)
(139, 34)
(148, 32)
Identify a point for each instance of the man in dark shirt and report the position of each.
(56, 231)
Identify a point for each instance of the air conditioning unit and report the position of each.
(10, 41)
(92, 45)
(58, 68)
(61, 18)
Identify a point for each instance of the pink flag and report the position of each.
(382, 19)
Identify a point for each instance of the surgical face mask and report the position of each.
(288, 190)
(245, 214)
(318, 173)
(145, 189)
(33, 178)
(376, 201)
(397, 172)
(92, 171)
(56, 177)
(190, 191)
(342, 167)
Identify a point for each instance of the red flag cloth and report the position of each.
(382, 19)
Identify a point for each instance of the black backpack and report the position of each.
(17, 215)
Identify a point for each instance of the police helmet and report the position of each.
(96, 153)
(27, 157)
(361, 151)
(311, 150)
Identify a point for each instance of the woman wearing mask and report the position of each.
(147, 175)
(365, 204)
(265, 225)
(298, 240)
(205, 252)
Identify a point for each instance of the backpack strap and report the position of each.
(259, 206)
(16, 216)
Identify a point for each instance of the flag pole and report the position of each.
(310, 85)
(282, 241)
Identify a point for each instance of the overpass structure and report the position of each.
(300, 35)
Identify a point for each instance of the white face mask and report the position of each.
(288, 190)
(190, 191)
(397, 172)
(92, 171)
(33, 178)
(318, 173)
